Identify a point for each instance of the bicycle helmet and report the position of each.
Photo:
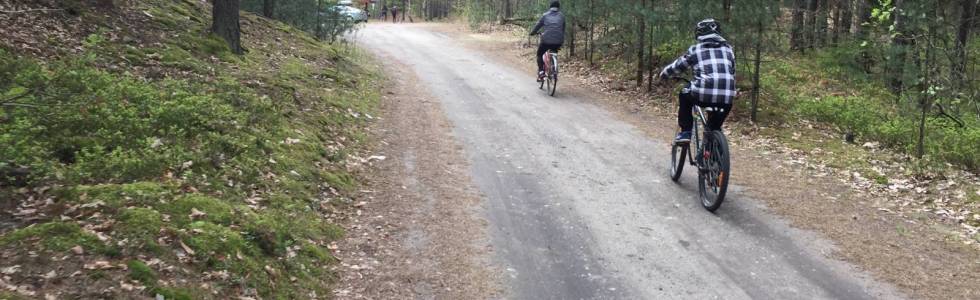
(555, 4)
(706, 27)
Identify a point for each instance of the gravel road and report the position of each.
(579, 204)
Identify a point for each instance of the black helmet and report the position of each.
(706, 27)
(555, 4)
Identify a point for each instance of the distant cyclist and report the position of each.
(552, 36)
(713, 85)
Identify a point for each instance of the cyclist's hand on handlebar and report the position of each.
(662, 79)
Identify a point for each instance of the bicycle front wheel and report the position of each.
(713, 175)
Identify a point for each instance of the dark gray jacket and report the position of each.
(553, 23)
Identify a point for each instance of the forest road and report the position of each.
(579, 204)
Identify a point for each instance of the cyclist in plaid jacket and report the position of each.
(713, 63)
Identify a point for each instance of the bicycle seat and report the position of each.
(712, 109)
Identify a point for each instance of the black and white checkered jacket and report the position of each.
(713, 61)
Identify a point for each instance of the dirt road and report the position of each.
(579, 205)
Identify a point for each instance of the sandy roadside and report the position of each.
(417, 233)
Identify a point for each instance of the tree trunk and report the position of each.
(838, 18)
(269, 8)
(650, 64)
(846, 18)
(863, 13)
(796, 39)
(591, 41)
(796, 32)
(225, 23)
(755, 76)
(966, 24)
(926, 99)
(319, 22)
(571, 40)
(900, 44)
(726, 5)
(641, 35)
(507, 9)
(823, 16)
(811, 23)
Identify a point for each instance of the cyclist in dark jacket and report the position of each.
(713, 63)
(552, 27)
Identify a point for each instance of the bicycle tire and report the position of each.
(547, 79)
(678, 158)
(554, 83)
(715, 173)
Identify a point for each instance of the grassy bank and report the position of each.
(150, 160)
(830, 87)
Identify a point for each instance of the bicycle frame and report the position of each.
(550, 58)
(700, 121)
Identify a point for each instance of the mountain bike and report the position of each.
(710, 155)
(550, 72)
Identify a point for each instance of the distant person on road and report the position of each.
(394, 13)
(384, 12)
(713, 85)
(552, 27)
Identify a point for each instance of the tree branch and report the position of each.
(16, 97)
(942, 112)
(30, 10)
(18, 104)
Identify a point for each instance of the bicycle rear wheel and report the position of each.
(553, 83)
(678, 158)
(548, 82)
(714, 174)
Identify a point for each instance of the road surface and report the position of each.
(579, 203)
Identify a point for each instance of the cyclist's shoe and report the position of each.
(683, 137)
(540, 76)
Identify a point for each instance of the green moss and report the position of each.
(119, 195)
(177, 57)
(215, 242)
(294, 68)
(216, 211)
(881, 179)
(174, 293)
(340, 180)
(5, 295)
(317, 253)
(141, 227)
(206, 45)
(139, 271)
(138, 130)
(55, 236)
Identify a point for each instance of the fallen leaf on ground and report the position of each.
(186, 248)
(197, 214)
(100, 265)
(10, 270)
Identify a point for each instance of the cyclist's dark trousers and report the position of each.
(542, 48)
(685, 119)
